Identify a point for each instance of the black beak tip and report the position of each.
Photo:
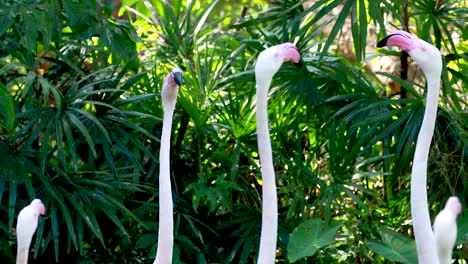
(383, 42)
(178, 78)
(299, 64)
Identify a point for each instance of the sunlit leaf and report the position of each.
(395, 247)
(309, 237)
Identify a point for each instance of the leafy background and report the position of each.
(81, 121)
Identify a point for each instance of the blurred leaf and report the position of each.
(146, 240)
(395, 247)
(462, 229)
(7, 112)
(309, 237)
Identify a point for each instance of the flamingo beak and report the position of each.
(402, 39)
(178, 78)
(383, 42)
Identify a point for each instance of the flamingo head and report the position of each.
(38, 207)
(171, 85)
(424, 54)
(270, 60)
(453, 205)
(174, 78)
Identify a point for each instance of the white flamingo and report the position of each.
(268, 63)
(28, 217)
(25, 228)
(169, 93)
(445, 229)
(429, 59)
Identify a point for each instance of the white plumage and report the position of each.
(169, 93)
(429, 59)
(445, 229)
(268, 63)
(25, 228)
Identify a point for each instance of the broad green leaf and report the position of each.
(30, 36)
(7, 16)
(395, 247)
(309, 237)
(146, 240)
(7, 112)
(462, 229)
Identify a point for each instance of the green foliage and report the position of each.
(7, 113)
(395, 247)
(81, 122)
(309, 237)
(462, 224)
(75, 143)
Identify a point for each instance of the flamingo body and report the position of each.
(25, 228)
(445, 229)
(429, 59)
(268, 63)
(169, 93)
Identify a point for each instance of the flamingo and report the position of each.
(445, 229)
(429, 59)
(25, 228)
(169, 93)
(268, 63)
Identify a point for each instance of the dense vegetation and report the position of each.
(81, 121)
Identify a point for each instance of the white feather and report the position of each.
(445, 229)
(25, 228)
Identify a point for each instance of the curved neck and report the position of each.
(267, 251)
(23, 244)
(424, 237)
(25, 228)
(22, 255)
(166, 221)
(446, 257)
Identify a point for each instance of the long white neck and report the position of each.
(25, 229)
(445, 233)
(425, 241)
(22, 253)
(445, 257)
(267, 251)
(166, 221)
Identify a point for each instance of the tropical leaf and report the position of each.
(395, 247)
(462, 229)
(83, 120)
(7, 113)
(309, 237)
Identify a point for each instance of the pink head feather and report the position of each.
(402, 39)
(171, 79)
(38, 206)
(453, 205)
(270, 60)
(289, 52)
